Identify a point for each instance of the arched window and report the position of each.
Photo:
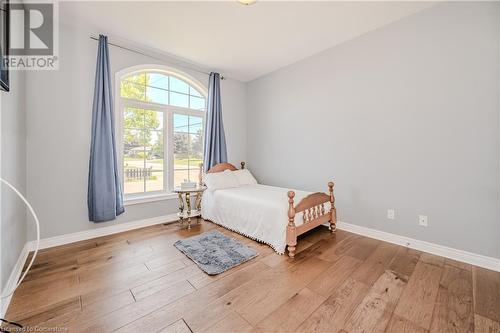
(161, 128)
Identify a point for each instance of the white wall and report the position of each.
(404, 117)
(59, 106)
(13, 169)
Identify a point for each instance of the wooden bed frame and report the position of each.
(312, 208)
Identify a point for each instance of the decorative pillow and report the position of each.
(244, 177)
(220, 180)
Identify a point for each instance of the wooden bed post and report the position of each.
(291, 237)
(333, 211)
(242, 165)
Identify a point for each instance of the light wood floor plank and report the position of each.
(375, 311)
(72, 321)
(288, 317)
(47, 284)
(137, 281)
(454, 306)
(362, 248)
(155, 286)
(485, 325)
(178, 327)
(52, 269)
(92, 292)
(70, 306)
(332, 315)
(136, 310)
(269, 290)
(338, 246)
(231, 323)
(419, 297)
(403, 264)
(258, 305)
(458, 264)
(432, 259)
(329, 281)
(375, 265)
(487, 293)
(401, 325)
(196, 302)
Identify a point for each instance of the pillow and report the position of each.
(220, 180)
(244, 177)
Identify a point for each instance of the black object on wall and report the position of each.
(4, 44)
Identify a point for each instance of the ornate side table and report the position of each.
(186, 211)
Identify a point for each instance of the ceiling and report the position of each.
(241, 42)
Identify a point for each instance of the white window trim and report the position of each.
(168, 111)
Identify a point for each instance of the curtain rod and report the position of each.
(153, 57)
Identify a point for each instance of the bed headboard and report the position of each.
(224, 166)
(219, 168)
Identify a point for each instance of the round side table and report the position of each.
(185, 209)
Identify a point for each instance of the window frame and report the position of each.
(168, 131)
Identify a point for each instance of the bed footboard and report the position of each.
(313, 212)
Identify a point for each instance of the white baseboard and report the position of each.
(440, 250)
(13, 278)
(99, 232)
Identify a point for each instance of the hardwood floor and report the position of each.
(138, 282)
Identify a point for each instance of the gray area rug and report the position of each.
(215, 252)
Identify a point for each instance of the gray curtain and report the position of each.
(215, 139)
(105, 196)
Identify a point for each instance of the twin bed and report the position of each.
(264, 213)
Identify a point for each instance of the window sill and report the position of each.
(148, 198)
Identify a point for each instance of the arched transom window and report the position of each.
(162, 118)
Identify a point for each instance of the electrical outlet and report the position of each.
(422, 220)
(391, 214)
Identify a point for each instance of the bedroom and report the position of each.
(396, 103)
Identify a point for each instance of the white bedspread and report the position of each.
(256, 211)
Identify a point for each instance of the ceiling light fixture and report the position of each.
(247, 2)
